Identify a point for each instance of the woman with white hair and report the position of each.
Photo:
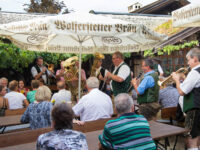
(38, 113)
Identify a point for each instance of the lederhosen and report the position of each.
(38, 70)
(191, 106)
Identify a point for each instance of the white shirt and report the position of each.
(93, 106)
(180, 101)
(191, 81)
(34, 73)
(61, 95)
(160, 70)
(15, 100)
(98, 71)
(123, 72)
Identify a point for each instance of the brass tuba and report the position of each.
(169, 80)
(97, 57)
(71, 70)
(71, 77)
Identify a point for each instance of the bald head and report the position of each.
(60, 85)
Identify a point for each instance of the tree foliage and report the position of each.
(45, 6)
(13, 57)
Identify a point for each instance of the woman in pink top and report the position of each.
(60, 73)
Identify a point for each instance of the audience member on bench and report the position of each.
(3, 101)
(4, 82)
(63, 137)
(129, 130)
(22, 89)
(16, 100)
(94, 105)
(38, 113)
(168, 96)
(31, 94)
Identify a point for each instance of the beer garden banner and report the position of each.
(188, 16)
(65, 33)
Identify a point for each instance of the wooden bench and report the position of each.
(169, 113)
(29, 136)
(92, 141)
(12, 112)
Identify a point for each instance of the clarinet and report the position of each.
(140, 74)
(106, 79)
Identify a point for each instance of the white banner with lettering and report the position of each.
(70, 32)
(188, 16)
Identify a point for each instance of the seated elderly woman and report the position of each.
(63, 137)
(38, 113)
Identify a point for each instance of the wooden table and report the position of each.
(9, 121)
(158, 130)
(161, 130)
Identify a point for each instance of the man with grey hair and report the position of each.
(62, 95)
(94, 105)
(190, 89)
(129, 130)
(147, 91)
(121, 76)
(4, 82)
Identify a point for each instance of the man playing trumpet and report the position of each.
(39, 71)
(190, 89)
(147, 91)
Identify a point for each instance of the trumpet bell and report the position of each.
(169, 80)
(160, 83)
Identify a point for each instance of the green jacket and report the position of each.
(121, 87)
(150, 94)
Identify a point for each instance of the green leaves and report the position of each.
(13, 57)
(170, 48)
(127, 55)
(148, 52)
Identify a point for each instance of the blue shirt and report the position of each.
(147, 82)
(38, 115)
(169, 97)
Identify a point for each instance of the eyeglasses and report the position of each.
(113, 58)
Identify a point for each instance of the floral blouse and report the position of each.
(38, 115)
(64, 139)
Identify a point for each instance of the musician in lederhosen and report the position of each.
(190, 89)
(148, 91)
(121, 76)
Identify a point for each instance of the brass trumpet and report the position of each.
(50, 68)
(169, 79)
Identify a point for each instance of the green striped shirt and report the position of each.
(130, 131)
